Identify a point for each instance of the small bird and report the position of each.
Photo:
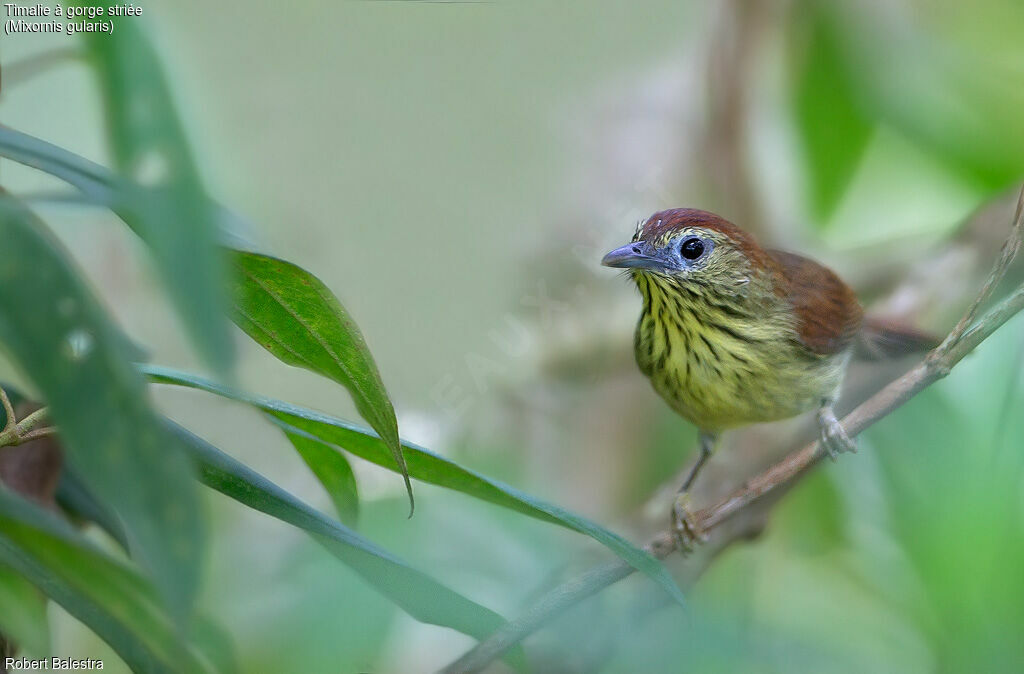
(732, 334)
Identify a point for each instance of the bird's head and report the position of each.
(685, 246)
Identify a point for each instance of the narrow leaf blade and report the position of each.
(333, 471)
(429, 467)
(418, 594)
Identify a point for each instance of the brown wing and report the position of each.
(828, 314)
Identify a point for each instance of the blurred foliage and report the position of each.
(112, 599)
(826, 109)
(163, 199)
(23, 613)
(959, 514)
(52, 325)
(906, 81)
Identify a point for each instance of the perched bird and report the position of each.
(732, 334)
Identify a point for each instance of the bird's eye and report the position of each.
(692, 248)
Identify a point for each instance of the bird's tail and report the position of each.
(884, 338)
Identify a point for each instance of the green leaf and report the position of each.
(965, 477)
(429, 467)
(334, 472)
(418, 594)
(834, 131)
(110, 598)
(945, 83)
(80, 505)
(54, 329)
(162, 198)
(23, 613)
(294, 316)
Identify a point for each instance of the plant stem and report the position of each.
(18, 432)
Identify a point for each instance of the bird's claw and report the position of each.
(834, 438)
(687, 533)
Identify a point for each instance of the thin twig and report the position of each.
(1006, 255)
(32, 421)
(19, 432)
(961, 341)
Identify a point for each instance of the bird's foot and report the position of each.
(687, 533)
(833, 436)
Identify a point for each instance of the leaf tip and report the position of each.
(408, 488)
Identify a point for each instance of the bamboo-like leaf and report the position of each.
(54, 329)
(111, 598)
(162, 197)
(294, 316)
(418, 594)
(426, 466)
(334, 472)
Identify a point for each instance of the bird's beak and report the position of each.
(631, 256)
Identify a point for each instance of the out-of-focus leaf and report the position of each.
(429, 467)
(110, 598)
(334, 472)
(294, 316)
(99, 186)
(418, 594)
(920, 71)
(23, 613)
(834, 130)
(814, 516)
(162, 198)
(952, 470)
(55, 330)
(93, 180)
(75, 500)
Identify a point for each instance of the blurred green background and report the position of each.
(453, 171)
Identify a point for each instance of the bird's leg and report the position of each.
(682, 523)
(832, 434)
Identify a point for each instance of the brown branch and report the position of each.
(961, 341)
